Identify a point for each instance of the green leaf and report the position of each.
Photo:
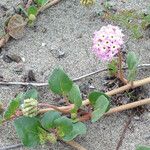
(78, 129)
(146, 21)
(112, 67)
(95, 95)
(48, 119)
(28, 130)
(41, 2)
(132, 74)
(136, 29)
(59, 82)
(143, 148)
(64, 125)
(31, 94)
(132, 60)
(1, 120)
(23, 9)
(74, 96)
(12, 107)
(32, 10)
(100, 107)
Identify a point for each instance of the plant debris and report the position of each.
(16, 26)
(9, 58)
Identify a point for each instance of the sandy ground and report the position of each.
(69, 28)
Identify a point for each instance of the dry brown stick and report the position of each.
(75, 145)
(4, 40)
(112, 110)
(128, 106)
(120, 70)
(124, 131)
(123, 88)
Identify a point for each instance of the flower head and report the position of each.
(107, 42)
(29, 107)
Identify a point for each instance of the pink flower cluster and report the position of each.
(107, 42)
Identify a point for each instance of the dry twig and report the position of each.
(75, 79)
(111, 93)
(124, 131)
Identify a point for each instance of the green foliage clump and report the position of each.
(35, 128)
(130, 19)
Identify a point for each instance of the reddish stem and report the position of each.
(85, 117)
(120, 71)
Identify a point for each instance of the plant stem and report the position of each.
(120, 108)
(123, 88)
(110, 93)
(128, 106)
(120, 71)
(4, 40)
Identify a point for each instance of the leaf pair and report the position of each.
(33, 131)
(16, 102)
(66, 129)
(100, 102)
(61, 84)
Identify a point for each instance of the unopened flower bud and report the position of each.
(29, 107)
(87, 2)
(32, 17)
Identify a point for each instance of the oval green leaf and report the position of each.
(64, 125)
(100, 107)
(95, 95)
(32, 10)
(28, 130)
(78, 129)
(13, 106)
(59, 82)
(32, 93)
(48, 119)
(74, 96)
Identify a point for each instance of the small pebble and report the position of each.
(11, 58)
(137, 118)
(57, 52)
(23, 59)
(18, 69)
(43, 44)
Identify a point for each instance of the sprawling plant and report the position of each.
(35, 125)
